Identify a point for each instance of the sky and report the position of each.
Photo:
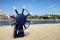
(35, 7)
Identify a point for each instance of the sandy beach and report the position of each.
(34, 32)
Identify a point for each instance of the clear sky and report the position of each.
(33, 6)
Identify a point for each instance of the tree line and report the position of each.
(47, 16)
(50, 16)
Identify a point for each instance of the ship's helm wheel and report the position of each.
(21, 19)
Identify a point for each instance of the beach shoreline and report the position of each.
(34, 32)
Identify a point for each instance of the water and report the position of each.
(4, 22)
(32, 22)
(45, 22)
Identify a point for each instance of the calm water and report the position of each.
(33, 22)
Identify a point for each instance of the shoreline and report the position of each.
(37, 20)
(34, 32)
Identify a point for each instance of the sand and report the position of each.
(34, 32)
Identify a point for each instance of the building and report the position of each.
(1, 12)
(1, 15)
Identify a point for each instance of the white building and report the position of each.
(1, 12)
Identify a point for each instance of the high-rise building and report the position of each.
(1, 12)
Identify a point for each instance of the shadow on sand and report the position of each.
(26, 34)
